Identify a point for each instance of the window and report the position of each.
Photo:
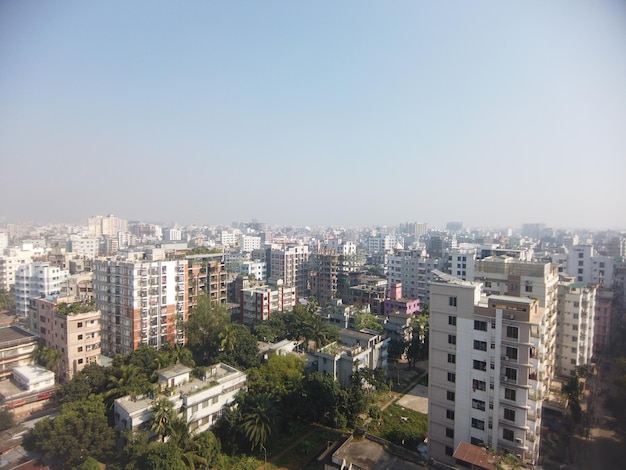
(451, 339)
(450, 433)
(478, 405)
(510, 394)
(449, 451)
(511, 374)
(508, 434)
(80, 324)
(480, 325)
(580, 255)
(450, 414)
(452, 358)
(574, 350)
(480, 345)
(601, 264)
(480, 365)
(451, 377)
(452, 320)
(512, 332)
(479, 385)
(80, 361)
(449, 395)
(509, 414)
(478, 424)
(511, 353)
(80, 337)
(528, 288)
(80, 349)
(581, 263)
(452, 301)
(476, 442)
(487, 283)
(580, 270)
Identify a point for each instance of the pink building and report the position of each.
(398, 304)
(602, 320)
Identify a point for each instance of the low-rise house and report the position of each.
(355, 350)
(199, 401)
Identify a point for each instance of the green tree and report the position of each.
(7, 420)
(367, 321)
(259, 419)
(162, 417)
(124, 380)
(89, 464)
(7, 301)
(90, 380)
(162, 456)
(240, 347)
(208, 447)
(46, 357)
(318, 330)
(279, 376)
(203, 328)
(79, 431)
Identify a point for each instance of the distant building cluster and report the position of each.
(512, 312)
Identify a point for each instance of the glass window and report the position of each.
(480, 325)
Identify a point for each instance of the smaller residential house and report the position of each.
(199, 401)
(354, 350)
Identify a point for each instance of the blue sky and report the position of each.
(314, 113)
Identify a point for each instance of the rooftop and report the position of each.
(11, 335)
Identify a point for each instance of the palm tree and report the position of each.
(46, 357)
(259, 419)
(228, 339)
(127, 379)
(318, 330)
(162, 418)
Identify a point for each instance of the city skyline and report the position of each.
(351, 114)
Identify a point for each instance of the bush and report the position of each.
(375, 412)
(7, 420)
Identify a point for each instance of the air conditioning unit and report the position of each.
(505, 358)
(519, 440)
(504, 378)
(511, 316)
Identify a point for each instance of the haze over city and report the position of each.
(350, 113)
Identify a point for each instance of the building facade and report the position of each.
(36, 280)
(142, 302)
(258, 303)
(487, 371)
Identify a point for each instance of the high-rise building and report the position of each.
(329, 273)
(257, 304)
(487, 371)
(36, 280)
(414, 270)
(462, 263)
(207, 275)
(106, 226)
(288, 263)
(588, 267)
(602, 321)
(575, 326)
(142, 302)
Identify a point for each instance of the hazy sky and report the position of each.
(310, 113)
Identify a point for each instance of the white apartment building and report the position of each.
(249, 243)
(575, 326)
(36, 280)
(487, 371)
(82, 246)
(4, 241)
(256, 268)
(383, 243)
(142, 302)
(288, 263)
(589, 267)
(9, 266)
(258, 303)
(228, 238)
(414, 269)
(106, 226)
(354, 350)
(199, 401)
(462, 263)
(538, 280)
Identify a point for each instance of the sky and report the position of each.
(351, 113)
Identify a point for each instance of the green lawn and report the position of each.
(401, 426)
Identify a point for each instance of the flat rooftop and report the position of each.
(14, 334)
(370, 454)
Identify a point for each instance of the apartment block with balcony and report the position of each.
(73, 329)
(200, 402)
(258, 303)
(288, 262)
(207, 275)
(354, 350)
(16, 348)
(36, 280)
(602, 321)
(487, 371)
(142, 303)
(575, 326)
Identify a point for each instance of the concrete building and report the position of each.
(207, 274)
(462, 263)
(589, 267)
(9, 266)
(288, 263)
(36, 280)
(16, 347)
(87, 247)
(602, 321)
(354, 350)
(399, 304)
(106, 226)
(258, 303)
(256, 268)
(199, 402)
(329, 274)
(73, 329)
(538, 280)
(142, 302)
(413, 269)
(487, 371)
(575, 326)
(250, 243)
